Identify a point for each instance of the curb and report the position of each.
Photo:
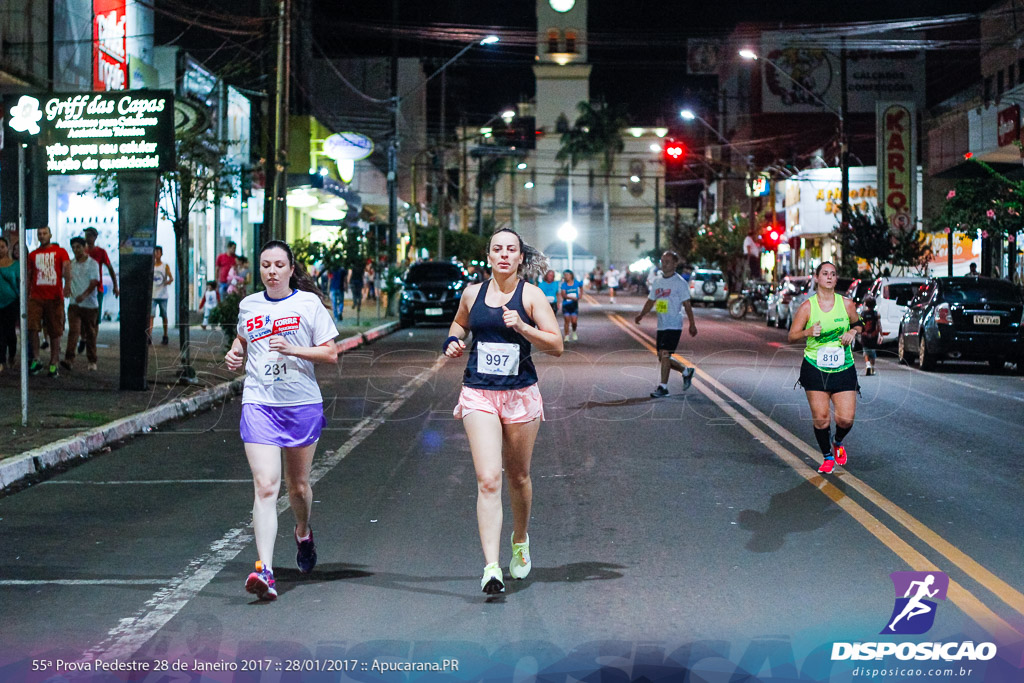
(83, 444)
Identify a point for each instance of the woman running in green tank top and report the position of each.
(826, 322)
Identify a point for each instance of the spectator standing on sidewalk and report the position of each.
(49, 277)
(83, 309)
(225, 262)
(99, 254)
(355, 283)
(336, 286)
(10, 286)
(238, 277)
(162, 279)
(370, 278)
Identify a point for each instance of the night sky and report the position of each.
(637, 48)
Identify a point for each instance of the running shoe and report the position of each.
(164, 341)
(827, 465)
(261, 583)
(306, 555)
(575, 337)
(52, 372)
(869, 372)
(35, 368)
(520, 565)
(839, 453)
(492, 583)
(660, 392)
(688, 374)
(92, 367)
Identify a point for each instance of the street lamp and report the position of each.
(689, 115)
(567, 233)
(396, 103)
(844, 164)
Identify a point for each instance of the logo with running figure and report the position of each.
(916, 593)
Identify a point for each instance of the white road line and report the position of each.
(125, 639)
(65, 482)
(83, 582)
(962, 383)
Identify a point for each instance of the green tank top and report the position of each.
(826, 352)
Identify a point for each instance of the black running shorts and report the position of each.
(668, 340)
(813, 379)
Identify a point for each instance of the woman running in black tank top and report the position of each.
(500, 404)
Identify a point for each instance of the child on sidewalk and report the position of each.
(210, 300)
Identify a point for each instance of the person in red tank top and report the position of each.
(49, 277)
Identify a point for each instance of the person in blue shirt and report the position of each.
(548, 285)
(569, 294)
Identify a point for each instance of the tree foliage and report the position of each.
(992, 204)
(719, 243)
(463, 246)
(869, 237)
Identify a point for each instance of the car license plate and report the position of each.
(987, 320)
(434, 311)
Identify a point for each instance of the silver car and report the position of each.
(780, 308)
(708, 286)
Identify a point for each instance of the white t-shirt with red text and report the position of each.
(274, 379)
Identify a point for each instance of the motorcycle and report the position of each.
(753, 299)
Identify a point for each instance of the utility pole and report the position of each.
(844, 144)
(393, 147)
(657, 216)
(277, 159)
(442, 222)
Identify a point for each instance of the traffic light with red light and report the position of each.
(771, 236)
(675, 151)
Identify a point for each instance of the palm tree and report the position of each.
(597, 134)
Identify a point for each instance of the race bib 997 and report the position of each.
(497, 359)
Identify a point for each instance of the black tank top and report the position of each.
(500, 357)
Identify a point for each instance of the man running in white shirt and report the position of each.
(670, 293)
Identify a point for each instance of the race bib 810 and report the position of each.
(831, 357)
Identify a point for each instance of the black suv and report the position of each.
(432, 292)
(964, 318)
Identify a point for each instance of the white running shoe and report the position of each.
(575, 337)
(520, 565)
(492, 582)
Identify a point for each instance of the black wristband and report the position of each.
(449, 340)
(857, 322)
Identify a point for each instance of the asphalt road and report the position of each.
(689, 532)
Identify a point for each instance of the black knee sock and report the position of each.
(841, 432)
(824, 438)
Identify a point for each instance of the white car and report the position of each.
(892, 294)
(708, 286)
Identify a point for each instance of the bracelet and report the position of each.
(449, 340)
(857, 322)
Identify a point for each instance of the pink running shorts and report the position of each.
(512, 406)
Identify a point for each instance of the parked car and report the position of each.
(964, 318)
(790, 287)
(708, 286)
(858, 290)
(432, 292)
(892, 294)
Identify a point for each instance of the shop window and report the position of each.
(570, 41)
(553, 40)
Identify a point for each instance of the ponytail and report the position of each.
(535, 263)
(300, 279)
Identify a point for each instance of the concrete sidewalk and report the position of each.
(81, 412)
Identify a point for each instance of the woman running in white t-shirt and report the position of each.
(282, 333)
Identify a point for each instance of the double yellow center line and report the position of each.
(730, 403)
